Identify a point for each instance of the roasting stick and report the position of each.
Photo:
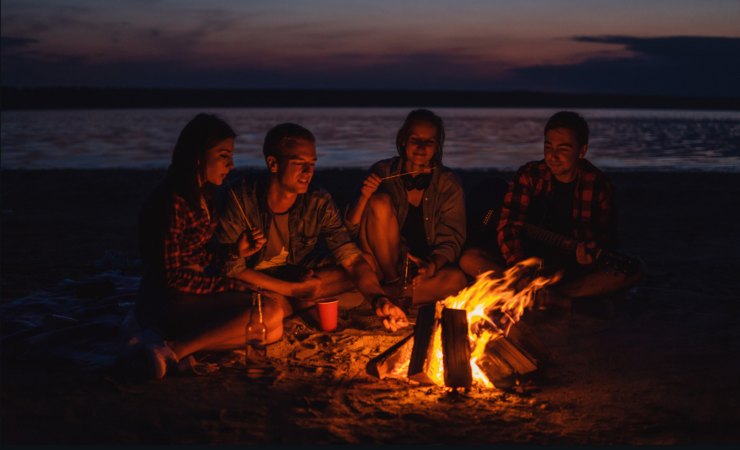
(424, 170)
(244, 214)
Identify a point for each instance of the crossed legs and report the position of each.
(222, 330)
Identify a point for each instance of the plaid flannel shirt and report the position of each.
(594, 218)
(187, 261)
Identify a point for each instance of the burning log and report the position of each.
(504, 358)
(524, 338)
(456, 349)
(421, 354)
(520, 362)
(495, 368)
(391, 361)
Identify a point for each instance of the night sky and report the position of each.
(677, 47)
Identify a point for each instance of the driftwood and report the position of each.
(456, 348)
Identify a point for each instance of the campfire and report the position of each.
(473, 337)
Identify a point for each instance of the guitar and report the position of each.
(605, 259)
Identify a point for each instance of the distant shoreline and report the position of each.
(14, 98)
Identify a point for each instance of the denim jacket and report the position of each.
(313, 214)
(443, 206)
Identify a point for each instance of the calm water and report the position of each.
(357, 137)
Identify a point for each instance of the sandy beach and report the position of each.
(658, 365)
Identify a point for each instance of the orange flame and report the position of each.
(490, 296)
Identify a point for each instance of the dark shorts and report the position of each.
(294, 272)
(182, 313)
(177, 314)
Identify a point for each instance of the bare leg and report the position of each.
(448, 281)
(334, 280)
(229, 333)
(380, 236)
(475, 261)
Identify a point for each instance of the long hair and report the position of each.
(421, 116)
(189, 156)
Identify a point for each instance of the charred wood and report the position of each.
(390, 360)
(423, 333)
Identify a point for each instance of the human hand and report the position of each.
(370, 185)
(308, 286)
(250, 242)
(241, 286)
(393, 317)
(582, 256)
(426, 269)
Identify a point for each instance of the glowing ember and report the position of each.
(493, 304)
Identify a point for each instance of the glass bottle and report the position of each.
(256, 339)
(405, 300)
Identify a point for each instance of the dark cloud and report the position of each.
(682, 65)
(693, 66)
(341, 71)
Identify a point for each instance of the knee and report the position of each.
(275, 333)
(470, 261)
(380, 205)
(272, 312)
(455, 279)
(475, 261)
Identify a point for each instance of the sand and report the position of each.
(657, 366)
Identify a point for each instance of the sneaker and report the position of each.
(160, 357)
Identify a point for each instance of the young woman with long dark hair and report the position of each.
(184, 295)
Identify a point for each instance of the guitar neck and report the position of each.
(610, 261)
(549, 238)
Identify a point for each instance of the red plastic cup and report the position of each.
(328, 312)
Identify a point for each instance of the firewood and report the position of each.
(524, 337)
(498, 371)
(520, 362)
(423, 332)
(394, 357)
(456, 348)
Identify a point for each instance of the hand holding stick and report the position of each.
(255, 235)
(244, 214)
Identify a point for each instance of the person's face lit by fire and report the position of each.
(562, 153)
(294, 168)
(420, 146)
(219, 161)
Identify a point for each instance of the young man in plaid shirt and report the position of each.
(565, 194)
